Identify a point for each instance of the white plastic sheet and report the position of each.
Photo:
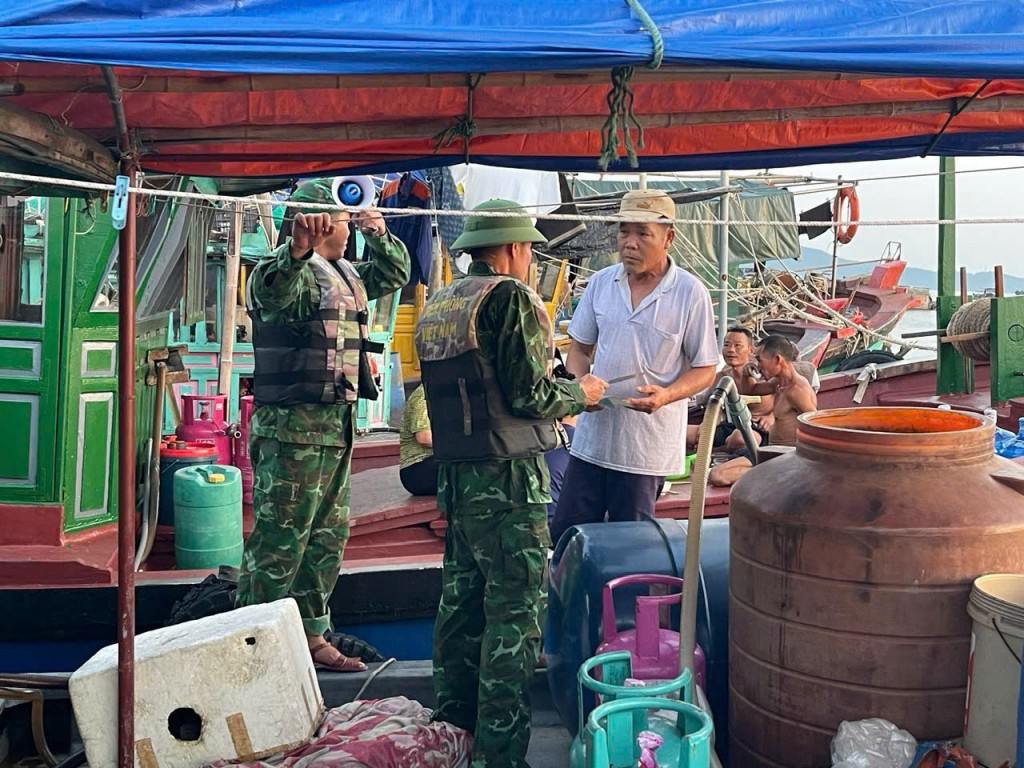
(872, 743)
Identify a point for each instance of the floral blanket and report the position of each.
(382, 733)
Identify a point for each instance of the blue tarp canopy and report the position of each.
(973, 38)
(265, 87)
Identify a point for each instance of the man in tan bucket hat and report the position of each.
(649, 329)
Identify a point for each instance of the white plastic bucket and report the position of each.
(993, 679)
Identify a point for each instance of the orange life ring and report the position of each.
(846, 232)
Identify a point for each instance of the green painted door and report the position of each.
(30, 327)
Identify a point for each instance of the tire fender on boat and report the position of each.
(845, 233)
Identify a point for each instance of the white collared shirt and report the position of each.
(670, 331)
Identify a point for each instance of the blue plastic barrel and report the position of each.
(207, 517)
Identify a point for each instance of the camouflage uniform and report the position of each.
(302, 454)
(487, 634)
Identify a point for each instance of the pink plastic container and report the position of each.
(655, 651)
(203, 420)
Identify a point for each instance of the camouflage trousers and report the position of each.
(300, 501)
(487, 634)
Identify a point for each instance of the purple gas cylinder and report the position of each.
(655, 651)
(240, 436)
(203, 420)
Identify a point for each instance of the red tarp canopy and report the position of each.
(283, 125)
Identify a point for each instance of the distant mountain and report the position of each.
(977, 282)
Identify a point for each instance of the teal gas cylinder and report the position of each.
(207, 517)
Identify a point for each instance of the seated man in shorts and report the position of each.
(793, 395)
(738, 352)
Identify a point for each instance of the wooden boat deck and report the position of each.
(388, 527)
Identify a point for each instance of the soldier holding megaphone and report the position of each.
(310, 341)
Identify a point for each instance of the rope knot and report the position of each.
(620, 100)
(464, 126)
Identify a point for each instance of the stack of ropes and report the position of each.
(973, 317)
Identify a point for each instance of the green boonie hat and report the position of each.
(481, 232)
(312, 191)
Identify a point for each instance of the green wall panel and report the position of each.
(19, 415)
(20, 359)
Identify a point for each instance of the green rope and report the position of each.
(620, 101)
(464, 126)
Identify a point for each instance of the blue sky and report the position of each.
(987, 194)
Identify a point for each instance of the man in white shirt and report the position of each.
(649, 328)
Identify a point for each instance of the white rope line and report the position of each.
(396, 212)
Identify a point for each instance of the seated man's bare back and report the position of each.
(793, 395)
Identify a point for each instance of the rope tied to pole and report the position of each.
(464, 126)
(973, 317)
(621, 116)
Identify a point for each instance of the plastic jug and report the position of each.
(1003, 437)
(1014, 448)
(207, 517)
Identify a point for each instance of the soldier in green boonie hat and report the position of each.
(485, 348)
(485, 231)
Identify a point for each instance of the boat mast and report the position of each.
(950, 375)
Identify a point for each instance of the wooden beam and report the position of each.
(410, 129)
(37, 138)
(156, 81)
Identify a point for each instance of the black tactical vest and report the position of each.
(302, 362)
(469, 417)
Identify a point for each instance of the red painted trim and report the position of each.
(31, 524)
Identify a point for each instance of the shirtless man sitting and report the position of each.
(737, 350)
(793, 396)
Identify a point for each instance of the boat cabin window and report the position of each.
(22, 259)
(146, 224)
(171, 241)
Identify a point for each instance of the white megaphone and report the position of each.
(354, 191)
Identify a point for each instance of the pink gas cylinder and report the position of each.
(203, 420)
(241, 453)
(655, 651)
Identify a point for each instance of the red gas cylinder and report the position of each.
(655, 651)
(203, 420)
(241, 451)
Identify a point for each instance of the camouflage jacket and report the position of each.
(285, 289)
(510, 335)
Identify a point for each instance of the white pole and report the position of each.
(232, 264)
(723, 260)
(643, 181)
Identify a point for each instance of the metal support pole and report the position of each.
(835, 239)
(126, 486)
(950, 376)
(723, 260)
(126, 457)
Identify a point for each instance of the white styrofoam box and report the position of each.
(239, 685)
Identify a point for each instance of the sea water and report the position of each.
(915, 321)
